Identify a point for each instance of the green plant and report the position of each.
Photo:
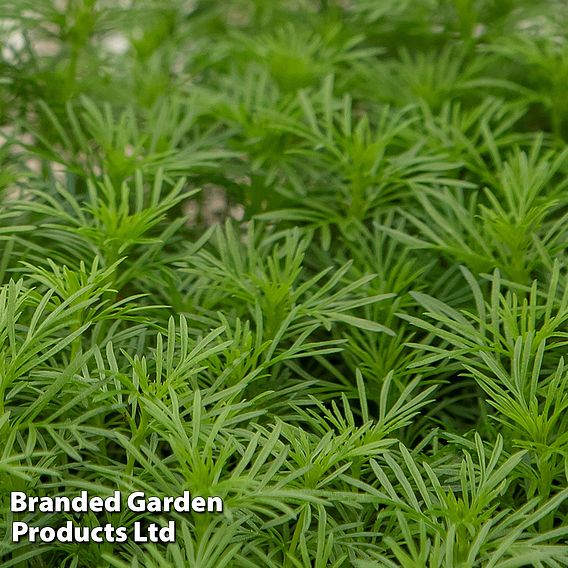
(306, 256)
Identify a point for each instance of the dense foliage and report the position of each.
(307, 256)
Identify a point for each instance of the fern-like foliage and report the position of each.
(305, 255)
